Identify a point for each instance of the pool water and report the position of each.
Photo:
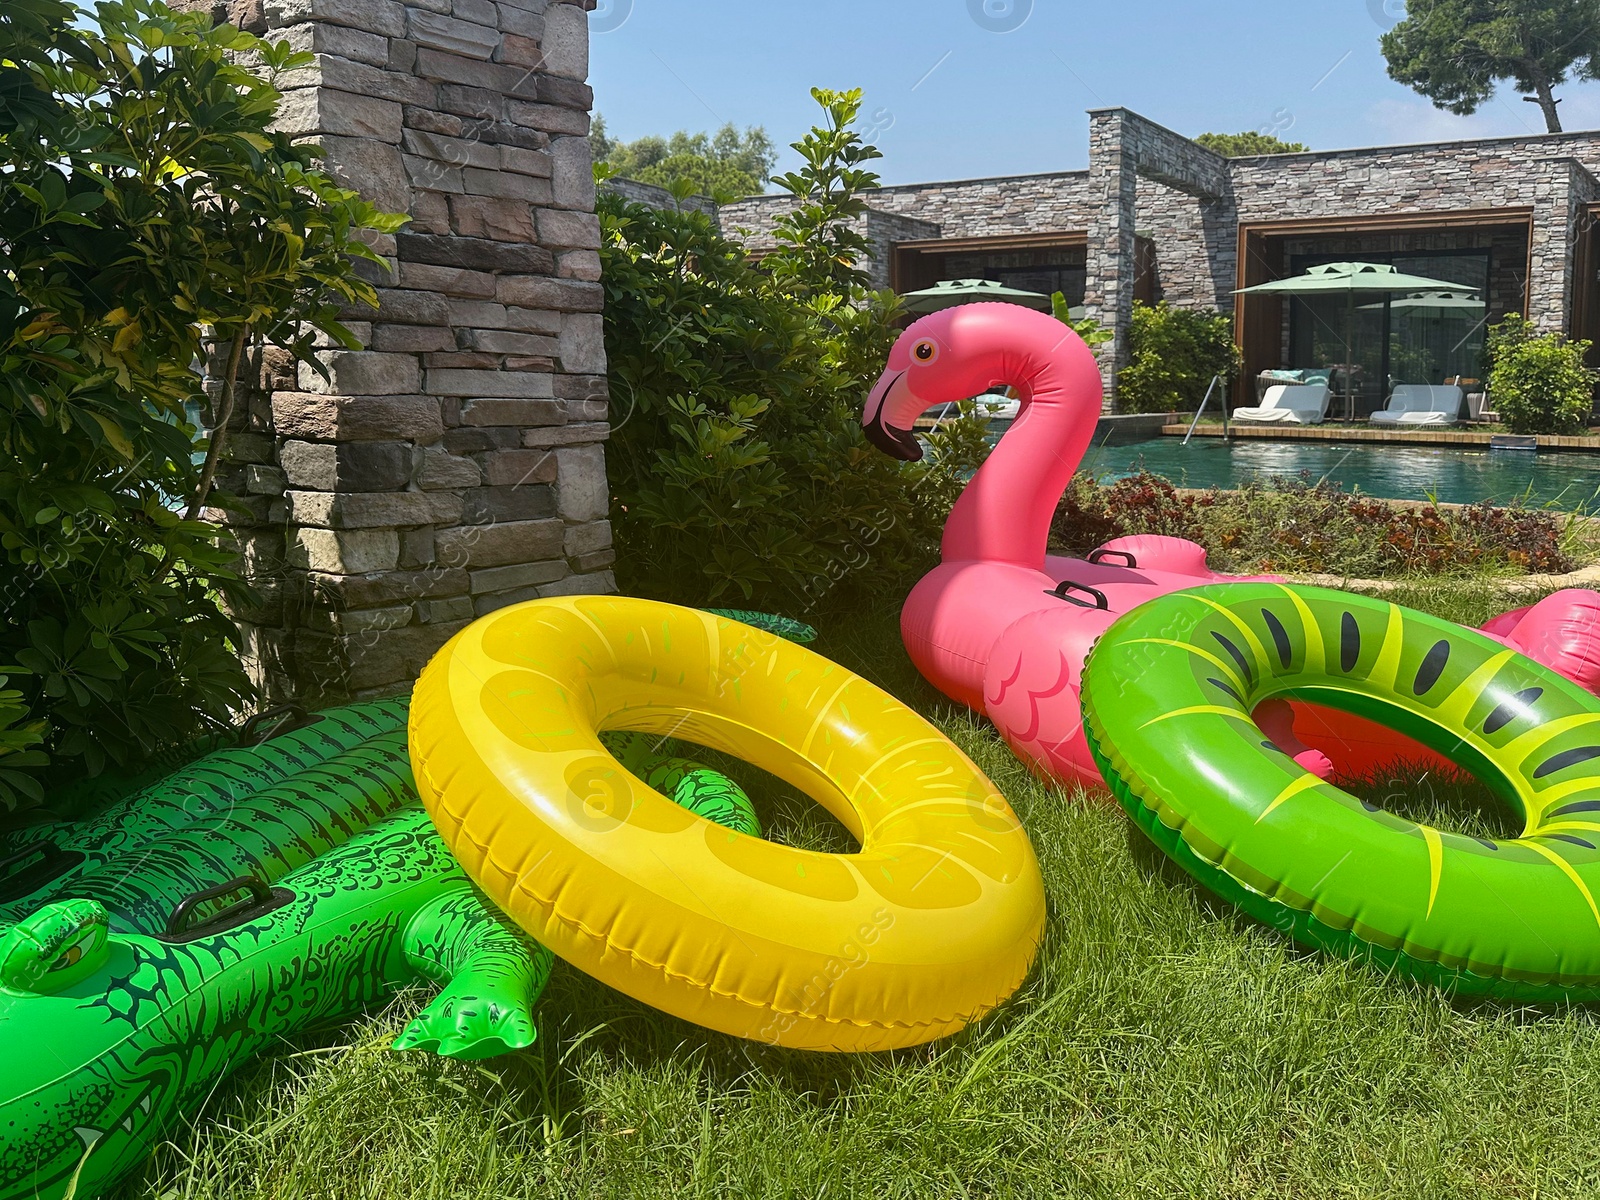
(1449, 474)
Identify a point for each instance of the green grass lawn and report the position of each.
(1162, 1047)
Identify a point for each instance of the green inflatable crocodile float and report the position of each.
(109, 1035)
(276, 881)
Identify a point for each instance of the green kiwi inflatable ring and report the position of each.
(1167, 696)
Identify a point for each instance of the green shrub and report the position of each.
(20, 735)
(1172, 355)
(738, 465)
(1091, 331)
(1301, 526)
(145, 204)
(1538, 383)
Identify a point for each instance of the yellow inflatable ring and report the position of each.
(934, 922)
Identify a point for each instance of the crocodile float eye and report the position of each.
(54, 948)
(925, 351)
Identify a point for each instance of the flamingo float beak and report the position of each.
(890, 396)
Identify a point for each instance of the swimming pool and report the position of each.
(1449, 474)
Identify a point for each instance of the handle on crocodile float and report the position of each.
(271, 722)
(53, 863)
(263, 899)
(1066, 585)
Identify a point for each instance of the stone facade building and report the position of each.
(456, 463)
(1157, 216)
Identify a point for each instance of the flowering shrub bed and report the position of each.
(1297, 525)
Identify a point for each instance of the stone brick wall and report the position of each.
(455, 464)
(965, 208)
(1431, 177)
(658, 197)
(1130, 157)
(1163, 156)
(1196, 242)
(1146, 181)
(1109, 268)
(884, 230)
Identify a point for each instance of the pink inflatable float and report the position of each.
(1004, 627)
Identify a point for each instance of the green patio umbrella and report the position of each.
(1350, 279)
(1435, 304)
(947, 293)
(1355, 277)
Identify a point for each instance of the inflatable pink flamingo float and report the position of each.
(1004, 628)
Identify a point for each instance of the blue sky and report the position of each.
(950, 98)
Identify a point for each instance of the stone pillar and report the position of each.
(1123, 148)
(455, 464)
(1111, 263)
(1563, 190)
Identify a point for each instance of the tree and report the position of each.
(1454, 52)
(822, 245)
(726, 164)
(1248, 144)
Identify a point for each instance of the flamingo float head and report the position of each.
(1003, 514)
(959, 353)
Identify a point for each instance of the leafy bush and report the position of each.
(145, 203)
(1538, 383)
(1300, 526)
(1091, 331)
(1172, 355)
(737, 460)
(20, 735)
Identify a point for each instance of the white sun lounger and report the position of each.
(1413, 404)
(1288, 404)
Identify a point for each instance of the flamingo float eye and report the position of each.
(925, 351)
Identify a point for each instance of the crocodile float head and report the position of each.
(77, 1099)
(106, 1038)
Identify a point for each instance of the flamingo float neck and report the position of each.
(1004, 513)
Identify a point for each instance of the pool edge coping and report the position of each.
(1579, 443)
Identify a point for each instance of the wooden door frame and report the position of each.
(1584, 320)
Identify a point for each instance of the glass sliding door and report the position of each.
(1328, 333)
(1432, 343)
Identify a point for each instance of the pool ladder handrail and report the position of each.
(1215, 379)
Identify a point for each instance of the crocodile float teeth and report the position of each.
(89, 1136)
(144, 1102)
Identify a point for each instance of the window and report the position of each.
(1046, 271)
